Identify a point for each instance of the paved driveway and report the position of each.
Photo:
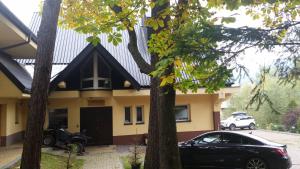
(291, 140)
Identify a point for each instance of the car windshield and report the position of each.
(229, 118)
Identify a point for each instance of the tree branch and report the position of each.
(133, 47)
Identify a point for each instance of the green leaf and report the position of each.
(228, 19)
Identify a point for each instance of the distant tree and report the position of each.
(46, 36)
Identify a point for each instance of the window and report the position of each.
(95, 74)
(209, 139)
(250, 141)
(182, 113)
(58, 118)
(127, 118)
(232, 139)
(139, 115)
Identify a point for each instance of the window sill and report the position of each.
(128, 123)
(139, 123)
(183, 121)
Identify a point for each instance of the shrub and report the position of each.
(290, 118)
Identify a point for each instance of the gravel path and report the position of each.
(9, 155)
(105, 157)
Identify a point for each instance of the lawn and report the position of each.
(50, 161)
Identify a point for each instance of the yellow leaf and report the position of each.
(178, 62)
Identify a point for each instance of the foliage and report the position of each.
(283, 98)
(72, 149)
(50, 161)
(202, 52)
(126, 163)
(135, 156)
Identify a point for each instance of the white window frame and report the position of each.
(127, 122)
(143, 115)
(188, 113)
(95, 77)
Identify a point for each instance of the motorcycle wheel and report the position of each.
(79, 147)
(49, 140)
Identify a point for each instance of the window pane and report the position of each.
(103, 69)
(181, 113)
(87, 70)
(87, 84)
(58, 118)
(139, 114)
(250, 141)
(104, 83)
(208, 139)
(232, 139)
(127, 115)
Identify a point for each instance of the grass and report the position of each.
(50, 161)
(126, 164)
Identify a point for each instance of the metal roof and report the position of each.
(15, 72)
(70, 43)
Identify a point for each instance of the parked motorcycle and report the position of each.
(61, 138)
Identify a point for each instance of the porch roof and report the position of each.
(16, 39)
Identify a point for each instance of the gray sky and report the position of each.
(253, 60)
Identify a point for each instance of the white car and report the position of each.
(238, 120)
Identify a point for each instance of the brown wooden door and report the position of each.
(97, 121)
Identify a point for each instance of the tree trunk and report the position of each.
(168, 144)
(31, 155)
(152, 153)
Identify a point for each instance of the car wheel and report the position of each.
(252, 126)
(49, 140)
(256, 163)
(232, 127)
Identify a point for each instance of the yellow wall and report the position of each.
(2, 120)
(8, 116)
(73, 106)
(118, 116)
(8, 88)
(201, 109)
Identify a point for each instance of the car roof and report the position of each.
(262, 140)
(235, 113)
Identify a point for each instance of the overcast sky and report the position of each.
(24, 9)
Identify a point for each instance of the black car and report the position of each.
(225, 149)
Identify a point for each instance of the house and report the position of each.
(102, 91)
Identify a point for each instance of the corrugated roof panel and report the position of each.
(70, 43)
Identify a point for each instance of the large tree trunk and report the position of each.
(168, 144)
(152, 153)
(31, 155)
